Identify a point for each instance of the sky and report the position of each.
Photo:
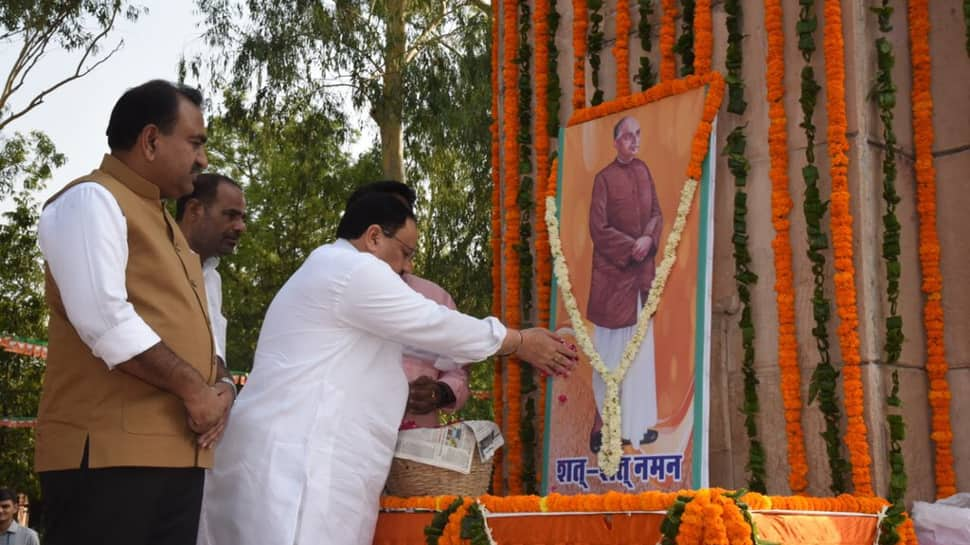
(76, 115)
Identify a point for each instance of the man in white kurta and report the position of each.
(312, 435)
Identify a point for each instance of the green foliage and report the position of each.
(670, 526)
(685, 44)
(473, 526)
(743, 275)
(294, 195)
(448, 134)
(824, 382)
(646, 75)
(594, 46)
(734, 60)
(745, 278)
(69, 24)
(883, 93)
(889, 524)
(554, 92)
(26, 163)
(290, 64)
(434, 531)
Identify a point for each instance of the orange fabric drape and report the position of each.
(632, 528)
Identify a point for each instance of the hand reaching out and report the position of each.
(547, 352)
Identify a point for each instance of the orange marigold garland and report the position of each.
(703, 37)
(451, 534)
(497, 406)
(621, 48)
(781, 205)
(929, 248)
(668, 38)
(856, 436)
(513, 446)
(580, 25)
(706, 516)
(543, 268)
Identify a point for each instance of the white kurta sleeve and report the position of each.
(379, 302)
(84, 238)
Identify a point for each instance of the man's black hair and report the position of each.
(153, 103)
(384, 209)
(7, 495)
(204, 188)
(392, 187)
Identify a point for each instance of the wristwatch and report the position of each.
(227, 380)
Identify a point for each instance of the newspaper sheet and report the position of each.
(452, 446)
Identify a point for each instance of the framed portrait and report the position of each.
(621, 180)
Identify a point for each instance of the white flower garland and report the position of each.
(611, 450)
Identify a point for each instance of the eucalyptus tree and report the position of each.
(32, 28)
(26, 164)
(335, 49)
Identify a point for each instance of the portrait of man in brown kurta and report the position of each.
(625, 224)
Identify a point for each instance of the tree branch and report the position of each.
(79, 72)
(31, 53)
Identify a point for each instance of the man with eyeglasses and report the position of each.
(436, 383)
(312, 435)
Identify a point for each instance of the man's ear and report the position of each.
(194, 208)
(148, 141)
(372, 237)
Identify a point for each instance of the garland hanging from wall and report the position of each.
(524, 481)
(668, 39)
(580, 25)
(646, 76)
(824, 381)
(781, 205)
(703, 37)
(884, 94)
(497, 405)
(524, 199)
(553, 91)
(929, 248)
(746, 278)
(685, 44)
(594, 46)
(510, 241)
(856, 437)
(621, 48)
(545, 19)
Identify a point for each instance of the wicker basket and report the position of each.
(408, 478)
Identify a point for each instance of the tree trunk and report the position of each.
(390, 112)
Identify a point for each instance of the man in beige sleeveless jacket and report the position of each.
(130, 401)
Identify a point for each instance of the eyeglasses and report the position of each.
(409, 252)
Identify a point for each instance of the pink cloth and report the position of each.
(456, 379)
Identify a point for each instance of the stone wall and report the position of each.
(951, 71)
